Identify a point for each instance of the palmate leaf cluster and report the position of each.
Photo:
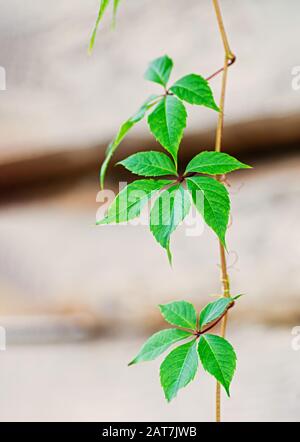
(179, 368)
(200, 185)
(174, 194)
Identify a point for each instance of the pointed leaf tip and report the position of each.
(102, 8)
(235, 298)
(170, 257)
(115, 10)
(159, 70)
(169, 210)
(214, 163)
(214, 310)
(159, 343)
(123, 130)
(178, 369)
(218, 358)
(130, 201)
(194, 89)
(167, 123)
(150, 163)
(212, 201)
(180, 314)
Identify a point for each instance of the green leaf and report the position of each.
(167, 123)
(159, 343)
(180, 313)
(212, 201)
(214, 310)
(178, 369)
(235, 298)
(130, 201)
(195, 90)
(124, 129)
(102, 8)
(149, 164)
(218, 358)
(169, 210)
(115, 10)
(214, 163)
(159, 70)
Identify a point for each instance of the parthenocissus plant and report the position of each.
(203, 184)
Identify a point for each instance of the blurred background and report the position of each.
(76, 300)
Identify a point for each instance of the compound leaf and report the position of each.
(214, 310)
(159, 343)
(180, 313)
(195, 90)
(218, 358)
(178, 369)
(130, 201)
(214, 163)
(124, 129)
(149, 164)
(169, 210)
(159, 70)
(212, 201)
(167, 122)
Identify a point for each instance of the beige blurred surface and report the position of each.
(91, 382)
(57, 97)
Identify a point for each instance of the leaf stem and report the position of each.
(214, 323)
(219, 71)
(229, 59)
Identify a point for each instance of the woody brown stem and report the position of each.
(229, 59)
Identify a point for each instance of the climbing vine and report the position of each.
(172, 195)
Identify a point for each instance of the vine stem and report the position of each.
(229, 59)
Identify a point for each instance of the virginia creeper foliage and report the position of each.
(179, 368)
(200, 185)
(167, 121)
